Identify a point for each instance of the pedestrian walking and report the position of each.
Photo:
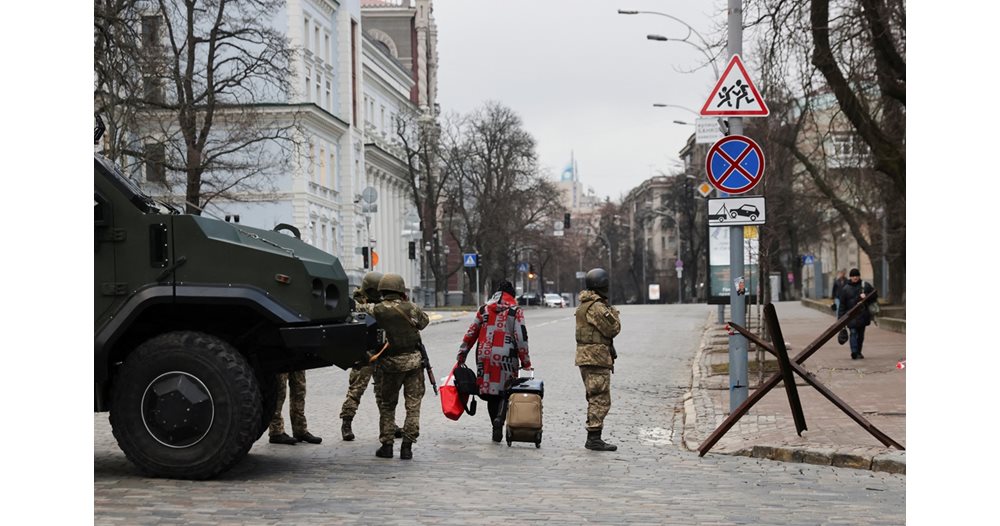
(295, 383)
(597, 323)
(365, 299)
(500, 338)
(399, 365)
(850, 294)
(838, 283)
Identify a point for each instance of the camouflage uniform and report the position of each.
(296, 381)
(597, 322)
(400, 366)
(360, 375)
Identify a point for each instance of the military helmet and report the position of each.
(598, 279)
(370, 281)
(392, 283)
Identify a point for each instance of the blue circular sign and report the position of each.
(734, 164)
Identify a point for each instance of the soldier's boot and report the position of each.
(595, 443)
(345, 430)
(306, 436)
(399, 431)
(406, 451)
(497, 433)
(282, 438)
(385, 451)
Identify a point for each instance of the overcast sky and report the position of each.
(582, 77)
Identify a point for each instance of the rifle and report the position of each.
(426, 362)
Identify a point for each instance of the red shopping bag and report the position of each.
(452, 403)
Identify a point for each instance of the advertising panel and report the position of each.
(719, 282)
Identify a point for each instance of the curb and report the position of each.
(889, 461)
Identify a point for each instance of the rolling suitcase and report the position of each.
(524, 411)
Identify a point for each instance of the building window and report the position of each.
(309, 160)
(329, 97)
(156, 159)
(316, 41)
(308, 78)
(152, 88)
(305, 35)
(326, 47)
(847, 149)
(354, 72)
(332, 183)
(321, 173)
(319, 100)
(382, 118)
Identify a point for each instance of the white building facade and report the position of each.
(347, 90)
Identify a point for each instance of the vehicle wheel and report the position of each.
(509, 441)
(732, 214)
(269, 400)
(185, 405)
(753, 217)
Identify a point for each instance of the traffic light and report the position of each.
(479, 260)
(364, 257)
(413, 250)
(531, 272)
(566, 220)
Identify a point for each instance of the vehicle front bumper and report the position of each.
(340, 344)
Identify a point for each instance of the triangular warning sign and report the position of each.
(470, 260)
(735, 94)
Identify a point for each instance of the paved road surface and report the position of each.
(458, 476)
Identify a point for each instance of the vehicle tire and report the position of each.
(753, 217)
(269, 400)
(732, 214)
(185, 405)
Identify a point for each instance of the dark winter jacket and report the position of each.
(850, 295)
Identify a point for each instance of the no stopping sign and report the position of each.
(734, 164)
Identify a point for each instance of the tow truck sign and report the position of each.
(736, 211)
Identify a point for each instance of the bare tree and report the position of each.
(198, 90)
(117, 82)
(502, 204)
(420, 137)
(839, 67)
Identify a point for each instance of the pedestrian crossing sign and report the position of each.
(470, 260)
(735, 94)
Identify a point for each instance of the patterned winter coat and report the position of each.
(501, 341)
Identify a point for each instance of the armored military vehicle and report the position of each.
(193, 318)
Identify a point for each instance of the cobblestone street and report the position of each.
(458, 476)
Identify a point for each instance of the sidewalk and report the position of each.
(874, 387)
(447, 316)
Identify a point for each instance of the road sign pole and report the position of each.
(479, 295)
(738, 390)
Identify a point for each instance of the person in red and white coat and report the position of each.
(501, 341)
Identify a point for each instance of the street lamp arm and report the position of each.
(711, 59)
(672, 17)
(661, 105)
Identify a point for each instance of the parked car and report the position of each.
(554, 300)
(529, 299)
(747, 210)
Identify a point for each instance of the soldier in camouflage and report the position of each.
(597, 323)
(365, 299)
(296, 383)
(400, 365)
